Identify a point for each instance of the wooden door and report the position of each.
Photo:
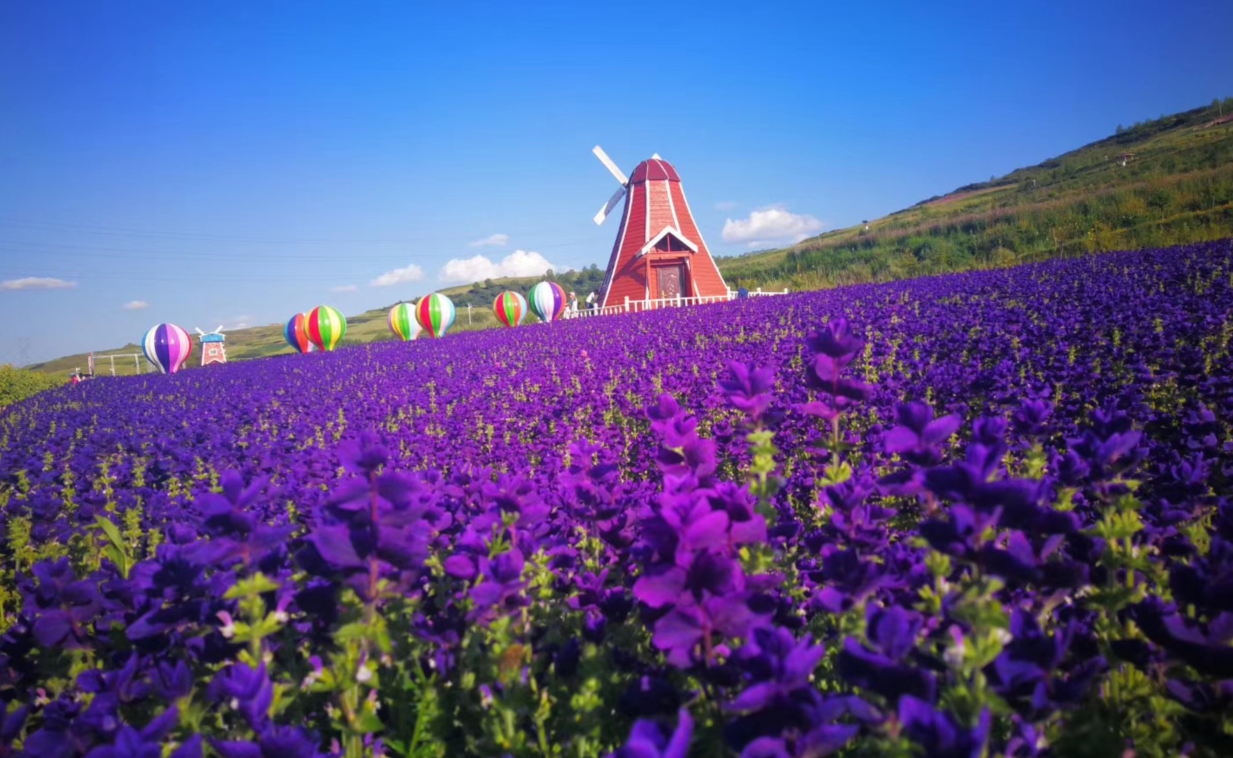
(670, 281)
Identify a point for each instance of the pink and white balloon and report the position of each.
(168, 347)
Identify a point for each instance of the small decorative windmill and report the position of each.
(212, 349)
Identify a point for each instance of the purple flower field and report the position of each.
(982, 514)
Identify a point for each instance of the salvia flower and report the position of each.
(649, 740)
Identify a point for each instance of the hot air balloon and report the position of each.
(510, 307)
(547, 301)
(436, 314)
(296, 333)
(168, 347)
(326, 327)
(402, 322)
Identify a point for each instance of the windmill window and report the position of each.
(670, 244)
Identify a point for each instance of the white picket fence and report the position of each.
(637, 306)
(140, 362)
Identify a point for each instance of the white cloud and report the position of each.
(345, 288)
(492, 240)
(36, 283)
(135, 305)
(517, 263)
(727, 205)
(234, 323)
(411, 273)
(774, 223)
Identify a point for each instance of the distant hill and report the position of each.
(1161, 182)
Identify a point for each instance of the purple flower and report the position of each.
(1205, 646)
(938, 734)
(892, 632)
(236, 532)
(648, 740)
(365, 454)
(707, 575)
(172, 680)
(848, 579)
(785, 666)
(500, 591)
(835, 340)
(272, 742)
(1201, 697)
(61, 605)
(245, 689)
(748, 388)
(1032, 417)
(919, 436)
(691, 625)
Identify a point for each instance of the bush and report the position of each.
(17, 384)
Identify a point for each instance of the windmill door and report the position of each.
(671, 281)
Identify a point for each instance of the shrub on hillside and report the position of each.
(16, 384)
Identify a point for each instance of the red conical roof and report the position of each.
(655, 168)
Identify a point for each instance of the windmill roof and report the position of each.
(654, 169)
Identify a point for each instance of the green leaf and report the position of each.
(257, 584)
(111, 530)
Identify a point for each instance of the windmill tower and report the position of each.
(212, 350)
(659, 251)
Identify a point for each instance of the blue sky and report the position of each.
(235, 162)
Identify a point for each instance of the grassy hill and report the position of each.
(1159, 182)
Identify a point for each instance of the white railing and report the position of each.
(608, 311)
(637, 306)
(758, 292)
(634, 306)
(139, 362)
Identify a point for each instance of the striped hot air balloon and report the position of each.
(296, 333)
(510, 307)
(326, 327)
(168, 347)
(547, 301)
(402, 322)
(436, 314)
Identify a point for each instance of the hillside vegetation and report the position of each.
(1160, 182)
(18, 384)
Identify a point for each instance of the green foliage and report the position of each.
(18, 384)
(115, 550)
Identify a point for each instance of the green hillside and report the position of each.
(1160, 182)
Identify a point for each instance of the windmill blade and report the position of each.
(199, 331)
(608, 206)
(219, 329)
(604, 159)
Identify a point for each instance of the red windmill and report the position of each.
(659, 252)
(212, 349)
